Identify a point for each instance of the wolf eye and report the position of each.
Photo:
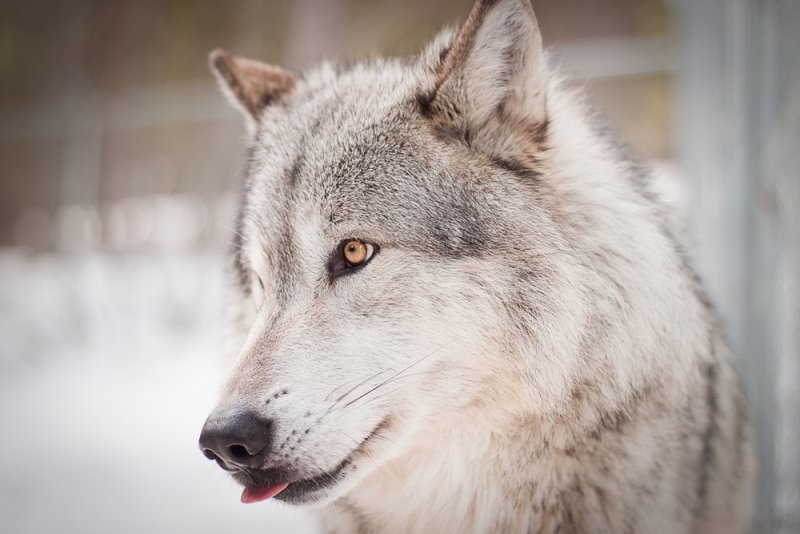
(356, 252)
(351, 254)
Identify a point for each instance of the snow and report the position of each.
(108, 368)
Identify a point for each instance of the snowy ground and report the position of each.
(108, 367)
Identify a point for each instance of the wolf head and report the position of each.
(403, 252)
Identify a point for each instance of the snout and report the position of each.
(239, 439)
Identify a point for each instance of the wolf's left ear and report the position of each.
(250, 85)
(491, 75)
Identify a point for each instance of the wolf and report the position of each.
(457, 305)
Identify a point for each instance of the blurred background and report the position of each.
(118, 159)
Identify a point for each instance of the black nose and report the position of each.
(239, 438)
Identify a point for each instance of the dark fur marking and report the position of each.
(617, 420)
(295, 170)
(516, 168)
(539, 132)
(424, 103)
(697, 285)
(446, 131)
(267, 99)
(709, 436)
(740, 435)
(457, 230)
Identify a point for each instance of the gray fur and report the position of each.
(528, 351)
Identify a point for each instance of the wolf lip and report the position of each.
(295, 488)
(255, 494)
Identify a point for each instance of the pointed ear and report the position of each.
(250, 85)
(491, 75)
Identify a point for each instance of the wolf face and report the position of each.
(408, 161)
(437, 250)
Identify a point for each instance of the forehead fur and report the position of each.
(352, 150)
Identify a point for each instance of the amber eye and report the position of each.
(350, 256)
(355, 252)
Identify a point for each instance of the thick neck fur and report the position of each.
(520, 474)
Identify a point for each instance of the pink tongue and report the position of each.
(261, 494)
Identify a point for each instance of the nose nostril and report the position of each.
(239, 452)
(237, 439)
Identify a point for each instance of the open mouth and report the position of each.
(262, 485)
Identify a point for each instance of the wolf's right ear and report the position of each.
(250, 85)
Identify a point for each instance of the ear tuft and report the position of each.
(250, 85)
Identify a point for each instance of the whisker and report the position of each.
(417, 362)
(346, 393)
